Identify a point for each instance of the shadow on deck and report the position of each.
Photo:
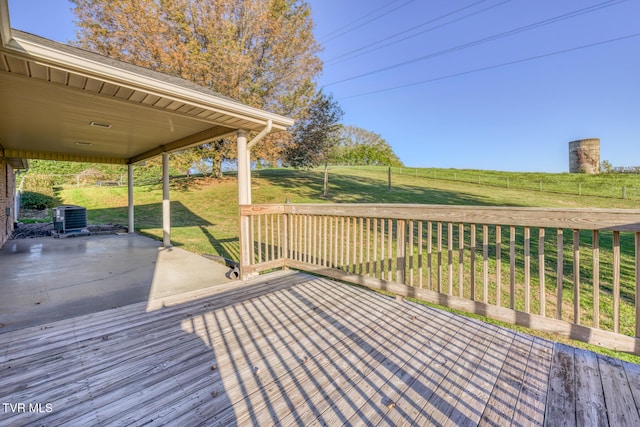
(287, 348)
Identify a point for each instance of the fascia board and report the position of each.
(91, 68)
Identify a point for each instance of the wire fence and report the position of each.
(613, 185)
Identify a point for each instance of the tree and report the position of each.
(259, 52)
(314, 135)
(357, 146)
(606, 166)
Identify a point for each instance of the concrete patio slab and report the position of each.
(46, 279)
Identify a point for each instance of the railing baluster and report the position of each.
(595, 242)
(498, 265)
(420, 282)
(331, 261)
(342, 243)
(382, 259)
(355, 245)
(314, 244)
(576, 277)
(285, 236)
(307, 238)
(439, 227)
(253, 239)
(410, 252)
(292, 236)
(527, 270)
(541, 273)
(616, 281)
(450, 256)
(273, 239)
(559, 272)
(472, 246)
(375, 247)
(300, 237)
(390, 250)
(360, 245)
(461, 260)
(259, 219)
(512, 267)
(368, 225)
(336, 241)
(348, 248)
(279, 233)
(324, 234)
(401, 252)
(429, 255)
(485, 263)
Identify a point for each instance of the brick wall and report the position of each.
(7, 191)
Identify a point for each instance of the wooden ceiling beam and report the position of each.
(217, 132)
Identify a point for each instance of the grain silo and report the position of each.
(584, 156)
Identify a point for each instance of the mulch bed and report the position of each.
(44, 229)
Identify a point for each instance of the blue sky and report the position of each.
(517, 117)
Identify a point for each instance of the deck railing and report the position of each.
(572, 272)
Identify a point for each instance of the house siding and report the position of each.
(7, 194)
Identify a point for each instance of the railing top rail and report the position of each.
(576, 218)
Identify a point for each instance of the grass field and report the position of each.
(612, 185)
(205, 213)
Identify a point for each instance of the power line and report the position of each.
(349, 55)
(491, 67)
(331, 33)
(346, 31)
(514, 31)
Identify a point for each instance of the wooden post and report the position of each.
(244, 198)
(389, 173)
(166, 203)
(130, 198)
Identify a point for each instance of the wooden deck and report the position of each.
(291, 349)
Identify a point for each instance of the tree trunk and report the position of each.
(216, 168)
(326, 180)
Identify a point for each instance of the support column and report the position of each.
(166, 206)
(244, 198)
(244, 169)
(130, 197)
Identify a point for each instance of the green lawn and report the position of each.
(204, 213)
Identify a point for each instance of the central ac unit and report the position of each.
(69, 218)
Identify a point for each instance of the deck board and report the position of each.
(292, 349)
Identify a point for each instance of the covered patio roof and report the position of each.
(64, 103)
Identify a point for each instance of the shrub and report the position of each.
(33, 200)
(38, 192)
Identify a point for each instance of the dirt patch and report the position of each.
(44, 229)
